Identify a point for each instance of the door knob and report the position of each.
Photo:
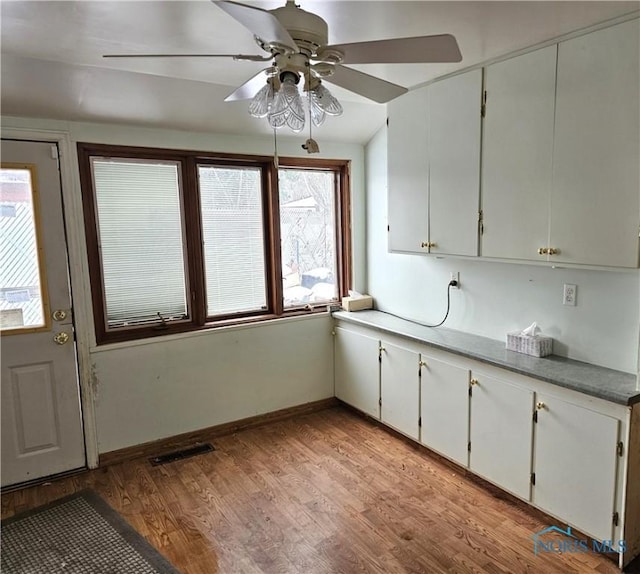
(61, 338)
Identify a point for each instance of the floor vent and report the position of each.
(180, 454)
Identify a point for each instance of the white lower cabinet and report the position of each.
(400, 389)
(444, 408)
(575, 457)
(501, 433)
(575, 465)
(357, 371)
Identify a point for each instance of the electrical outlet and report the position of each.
(455, 276)
(569, 294)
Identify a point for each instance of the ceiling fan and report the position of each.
(296, 43)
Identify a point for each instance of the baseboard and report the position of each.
(180, 441)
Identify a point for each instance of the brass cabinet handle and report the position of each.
(473, 382)
(433, 244)
(548, 251)
(423, 364)
(61, 338)
(424, 244)
(540, 405)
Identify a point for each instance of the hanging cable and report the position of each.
(452, 283)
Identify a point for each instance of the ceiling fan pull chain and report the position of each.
(275, 149)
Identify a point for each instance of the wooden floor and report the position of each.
(321, 493)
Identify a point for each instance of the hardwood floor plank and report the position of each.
(321, 493)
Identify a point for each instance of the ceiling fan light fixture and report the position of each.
(318, 115)
(287, 108)
(323, 99)
(263, 101)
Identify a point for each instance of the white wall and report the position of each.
(499, 297)
(162, 387)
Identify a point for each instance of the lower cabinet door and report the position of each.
(501, 434)
(444, 409)
(400, 389)
(575, 465)
(357, 371)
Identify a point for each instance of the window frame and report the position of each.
(188, 162)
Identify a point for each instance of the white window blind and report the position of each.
(141, 239)
(233, 234)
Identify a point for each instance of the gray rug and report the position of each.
(78, 534)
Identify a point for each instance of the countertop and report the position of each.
(608, 384)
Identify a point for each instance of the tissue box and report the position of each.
(357, 303)
(537, 345)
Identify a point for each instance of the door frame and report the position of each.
(78, 274)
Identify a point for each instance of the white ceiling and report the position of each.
(52, 65)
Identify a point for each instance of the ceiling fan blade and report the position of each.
(368, 86)
(250, 57)
(249, 89)
(417, 50)
(260, 22)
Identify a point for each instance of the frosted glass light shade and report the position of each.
(287, 108)
(317, 114)
(262, 101)
(325, 100)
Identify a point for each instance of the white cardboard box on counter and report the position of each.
(357, 303)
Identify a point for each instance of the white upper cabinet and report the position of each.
(434, 167)
(559, 162)
(595, 205)
(517, 155)
(408, 172)
(454, 164)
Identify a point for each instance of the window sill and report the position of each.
(210, 329)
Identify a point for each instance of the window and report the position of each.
(24, 303)
(182, 240)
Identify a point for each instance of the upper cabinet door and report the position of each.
(595, 204)
(408, 173)
(454, 164)
(517, 155)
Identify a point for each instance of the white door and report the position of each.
(400, 389)
(575, 465)
(517, 155)
(501, 434)
(595, 200)
(408, 173)
(445, 408)
(42, 430)
(357, 371)
(454, 164)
